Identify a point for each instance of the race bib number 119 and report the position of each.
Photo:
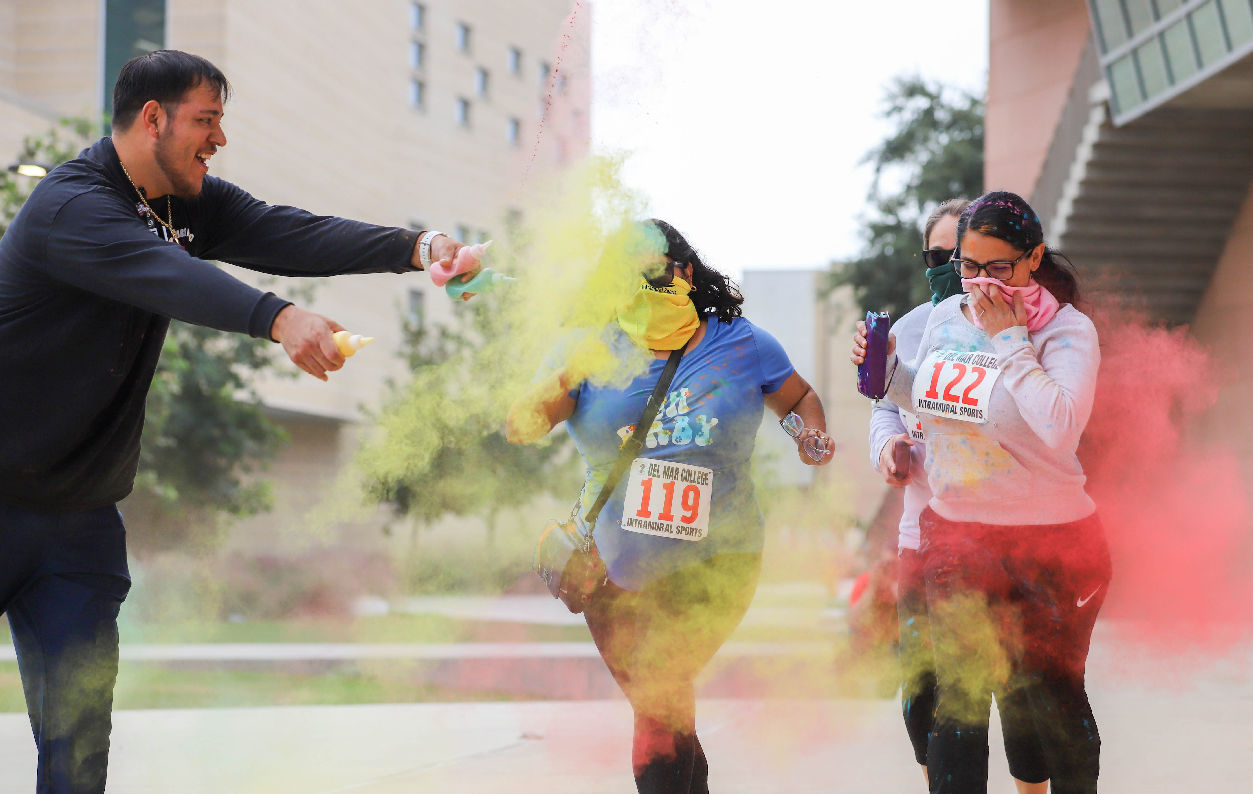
(668, 499)
(956, 385)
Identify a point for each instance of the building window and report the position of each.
(545, 71)
(483, 236)
(417, 94)
(463, 37)
(513, 221)
(1152, 65)
(481, 81)
(1112, 23)
(515, 60)
(1140, 16)
(416, 313)
(1239, 19)
(1211, 39)
(417, 16)
(1180, 53)
(1125, 84)
(417, 54)
(514, 131)
(131, 27)
(463, 233)
(1150, 51)
(463, 112)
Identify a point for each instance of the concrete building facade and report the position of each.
(812, 326)
(1129, 125)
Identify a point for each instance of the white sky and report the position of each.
(746, 122)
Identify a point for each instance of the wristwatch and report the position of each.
(424, 248)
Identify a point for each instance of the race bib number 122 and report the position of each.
(668, 499)
(956, 385)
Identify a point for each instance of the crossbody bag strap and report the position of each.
(636, 442)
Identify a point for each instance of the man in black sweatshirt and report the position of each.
(105, 251)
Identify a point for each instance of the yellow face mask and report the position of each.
(660, 318)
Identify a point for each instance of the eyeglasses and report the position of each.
(815, 447)
(999, 269)
(665, 277)
(935, 257)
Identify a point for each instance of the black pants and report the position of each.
(63, 577)
(1012, 610)
(918, 681)
(914, 653)
(655, 641)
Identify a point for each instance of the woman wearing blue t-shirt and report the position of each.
(673, 599)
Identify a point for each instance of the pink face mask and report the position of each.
(1040, 303)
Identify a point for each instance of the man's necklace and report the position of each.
(169, 206)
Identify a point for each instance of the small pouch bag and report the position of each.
(565, 556)
(567, 560)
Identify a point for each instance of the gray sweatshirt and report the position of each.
(1002, 416)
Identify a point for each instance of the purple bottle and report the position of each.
(872, 373)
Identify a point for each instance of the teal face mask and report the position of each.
(945, 282)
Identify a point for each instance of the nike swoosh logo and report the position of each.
(1083, 601)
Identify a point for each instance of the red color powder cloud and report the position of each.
(1174, 505)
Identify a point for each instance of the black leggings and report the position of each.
(918, 682)
(1012, 610)
(655, 642)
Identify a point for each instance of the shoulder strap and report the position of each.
(636, 442)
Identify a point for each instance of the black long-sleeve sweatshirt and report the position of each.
(88, 283)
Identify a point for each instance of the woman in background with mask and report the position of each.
(891, 425)
(671, 602)
(1014, 556)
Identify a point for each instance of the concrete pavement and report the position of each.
(1154, 741)
(1168, 725)
(769, 718)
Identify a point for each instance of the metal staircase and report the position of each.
(1146, 208)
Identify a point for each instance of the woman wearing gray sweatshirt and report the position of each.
(1013, 554)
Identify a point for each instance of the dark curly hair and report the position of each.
(1007, 216)
(712, 292)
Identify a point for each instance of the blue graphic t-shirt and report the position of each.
(709, 419)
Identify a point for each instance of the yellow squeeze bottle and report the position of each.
(349, 343)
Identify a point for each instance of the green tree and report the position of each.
(206, 433)
(935, 152)
(442, 450)
(53, 147)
